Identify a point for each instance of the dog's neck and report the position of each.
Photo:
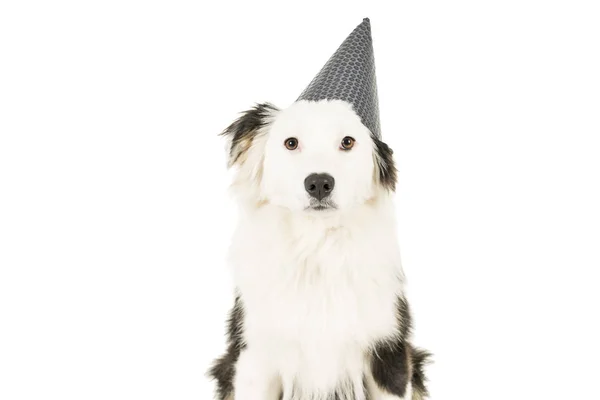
(316, 247)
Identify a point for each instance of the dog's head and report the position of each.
(311, 157)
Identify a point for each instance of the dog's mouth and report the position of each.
(322, 205)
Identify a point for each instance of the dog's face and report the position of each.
(312, 157)
(319, 157)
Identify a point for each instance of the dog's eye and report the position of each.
(291, 143)
(347, 143)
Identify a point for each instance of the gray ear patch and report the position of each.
(386, 167)
(242, 131)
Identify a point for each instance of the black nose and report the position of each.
(319, 186)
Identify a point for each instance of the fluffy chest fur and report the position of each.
(317, 292)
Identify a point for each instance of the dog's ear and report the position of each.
(386, 173)
(243, 130)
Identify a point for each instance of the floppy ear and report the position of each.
(385, 168)
(243, 130)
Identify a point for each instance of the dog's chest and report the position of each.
(316, 302)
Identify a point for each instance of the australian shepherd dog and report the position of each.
(320, 311)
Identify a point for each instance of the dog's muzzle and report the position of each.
(325, 204)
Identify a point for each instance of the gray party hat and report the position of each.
(349, 75)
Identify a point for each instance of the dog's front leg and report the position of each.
(255, 379)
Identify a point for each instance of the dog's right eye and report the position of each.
(291, 143)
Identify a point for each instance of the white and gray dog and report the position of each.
(320, 311)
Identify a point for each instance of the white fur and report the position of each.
(318, 287)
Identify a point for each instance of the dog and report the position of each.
(320, 311)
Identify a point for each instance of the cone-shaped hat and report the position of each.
(349, 75)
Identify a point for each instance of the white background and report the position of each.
(114, 217)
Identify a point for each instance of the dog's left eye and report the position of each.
(291, 143)
(347, 143)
